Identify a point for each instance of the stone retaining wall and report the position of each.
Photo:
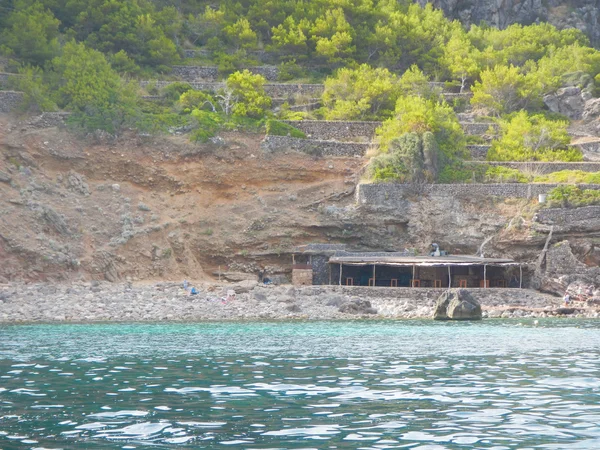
(259, 55)
(336, 130)
(562, 216)
(478, 129)
(548, 167)
(49, 120)
(211, 73)
(195, 73)
(478, 152)
(276, 90)
(589, 147)
(393, 195)
(5, 77)
(314, 147)
(9, 100)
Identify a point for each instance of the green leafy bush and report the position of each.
(415, 114)
(208, 125)
(249, 93)
(527, 137)
(410, 158)
(277, 128)
(572, 196)
(173, 92)
(500, 174)
(360, 94)
(570, 177)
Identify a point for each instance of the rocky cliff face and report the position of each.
(582, 14)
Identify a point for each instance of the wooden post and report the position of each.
(341, 268)
(412, 284)
(329, 268)
(449, 278)
(373, 275)
(484, 275)
(520, 276)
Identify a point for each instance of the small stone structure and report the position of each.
(302, 275)
(9, 100)
(393, 195)
(314, 147)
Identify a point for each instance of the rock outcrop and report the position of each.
(457, 304)
(584, 14)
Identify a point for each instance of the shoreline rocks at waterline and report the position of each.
(457, 304)
(168, 301)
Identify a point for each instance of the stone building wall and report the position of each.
(9, 100)
(302, 277)
(393, 195)
(314, 147)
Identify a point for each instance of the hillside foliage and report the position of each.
(376, 58)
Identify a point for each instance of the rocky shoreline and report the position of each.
(166, 301)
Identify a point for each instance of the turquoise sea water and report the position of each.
(313, 385)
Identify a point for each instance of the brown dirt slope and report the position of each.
(161, 207)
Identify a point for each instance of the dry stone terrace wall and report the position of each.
(275, 90)
(314, 147)
(548, 167)
(211, 73)
(336, 130)
(9, 100)
(562, 216)
(479, 129)
(478, 152)
(393, 195)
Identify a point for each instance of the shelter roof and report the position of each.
(451, 260)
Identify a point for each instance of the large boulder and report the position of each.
(357, 306)
(457, 304)
(567, 101)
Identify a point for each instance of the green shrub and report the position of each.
(209, 125)
(173, 91)
(527, 137)
(572, 196)
(500, 174)
(277, 128)
(289, 70)
(460, 173)
(569, 177)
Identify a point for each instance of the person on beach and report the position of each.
(567, 298)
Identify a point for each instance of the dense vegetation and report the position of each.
(375, 57)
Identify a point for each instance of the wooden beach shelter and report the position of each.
(425, 271)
